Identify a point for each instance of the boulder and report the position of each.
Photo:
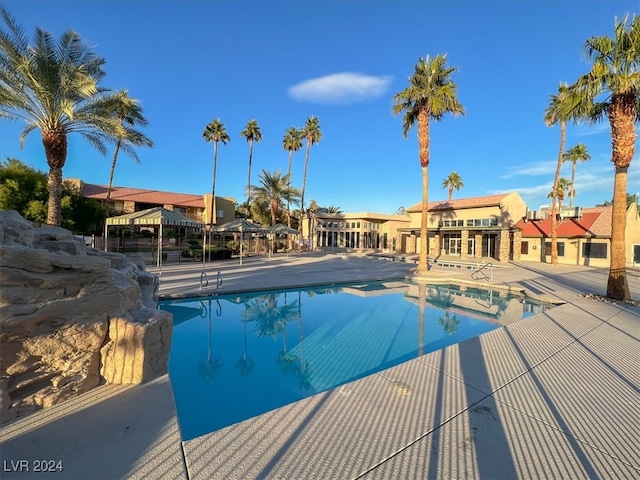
(72, 317)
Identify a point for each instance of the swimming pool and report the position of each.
(237, 356)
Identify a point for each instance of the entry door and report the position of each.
(489, 245)
(454, 246)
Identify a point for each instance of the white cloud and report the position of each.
(588, 130)
(531, 170)
(340, 88)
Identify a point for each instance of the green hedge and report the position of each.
(217, 253)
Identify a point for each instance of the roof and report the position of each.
(154, 216)
(362, 216)
(472, 202)
(594, 222)
(140, 195)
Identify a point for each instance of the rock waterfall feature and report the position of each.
(72, 317)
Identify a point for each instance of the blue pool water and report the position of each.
(237, 356)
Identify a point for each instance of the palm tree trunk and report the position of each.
(111, 173)
(622, 116)
(304, 175)
(249, 178)
(212, 213)
(554, 210)
(617, 285)
(54, 184)
(450, 192)
(304, 185)
(423, 267)
(573, 177)
(289, 240)
(423, 147)
(55, 149)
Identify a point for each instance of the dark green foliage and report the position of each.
(24, 188)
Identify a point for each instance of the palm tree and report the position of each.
(563, 107)
(430, 95)
(215, 132)
(310, 131)
(252, 134)
(332, 209)
(454, 180)
(292, 142)
(54, 86)
(129, 114)
(563, 188)
(273, 191)
(615, 80)
(575, 153)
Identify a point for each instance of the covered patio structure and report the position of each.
(157, 217)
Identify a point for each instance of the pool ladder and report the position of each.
(488, 278)
(204, 280)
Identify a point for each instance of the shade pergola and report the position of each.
(152, 217)
(240, 225)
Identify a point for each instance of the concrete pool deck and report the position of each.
(554, 396)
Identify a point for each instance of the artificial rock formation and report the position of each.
(72, 317)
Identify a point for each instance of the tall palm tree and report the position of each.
(563, 107)
(292, 142)
(215, 132)
(129, 114)
(430, 95)
(310, 131)
(252, 134)
(576, 153)
(454, 180)
(273, 190)
(614, 83)
(54, 86)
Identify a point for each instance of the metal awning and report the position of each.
(154, 216)
(157, 216)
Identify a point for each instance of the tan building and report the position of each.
(363, 231)
(584, 236)
(469, 228)
(129, 200)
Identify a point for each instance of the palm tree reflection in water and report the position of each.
(449, 323)
(208, 370)
(271, 320)
(245, 364)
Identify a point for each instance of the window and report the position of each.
(594, 250)
(469, 223)
(547, 248)
(220, 214)
(524, 248)
(486, 222)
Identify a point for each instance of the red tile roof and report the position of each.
(595, 222)
(140, 195)
(472, 202)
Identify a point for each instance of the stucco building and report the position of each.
(583, 235)
(469, 228)
(128, 200)
(362, 231)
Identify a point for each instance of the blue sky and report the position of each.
(278, 62)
